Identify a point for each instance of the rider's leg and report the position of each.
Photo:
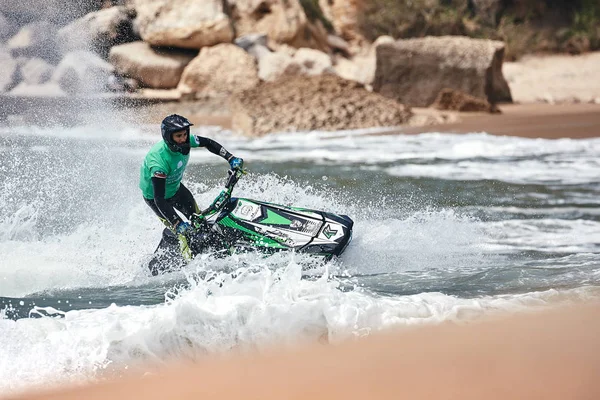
(184, 201)
(167, 255)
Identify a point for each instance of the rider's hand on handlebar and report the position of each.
(236, 163)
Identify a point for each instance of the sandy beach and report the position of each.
(548, 355)
(534, 120)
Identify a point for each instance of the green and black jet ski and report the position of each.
(232, 225)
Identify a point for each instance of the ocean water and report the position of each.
(447, 228)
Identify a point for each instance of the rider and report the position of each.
(163, 168)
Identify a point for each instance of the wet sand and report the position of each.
(548, 355)
(551, 121)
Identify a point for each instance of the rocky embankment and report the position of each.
(284, 64)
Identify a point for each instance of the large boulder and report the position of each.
(97, 31)
(157, 68)
(9, 67)
(304, 103)
(414, 71)
(82, 72)
(189, 24)
(219, 71)
(37, 39)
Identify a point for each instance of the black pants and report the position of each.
(182, 200)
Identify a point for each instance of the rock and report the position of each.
(337, 44)
(188, 24)
(97, 31)
(414, 71)
(82, 72)
(273, 64)
(247, 42)
(117, 83)
(347, 69)
(368, 62)
(281, 20)
(36, 71)
(254, 44)
(9, 68)
(455, 100)
(219, 71)
(361, 68)
(37, 39)
(304, 61)
(157, 68)
(304, 103)
(309, 62)
(343, 15)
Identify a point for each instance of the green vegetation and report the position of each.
(586, 22)
(527, 26)
(416, 18)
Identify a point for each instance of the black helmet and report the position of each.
(174, 123)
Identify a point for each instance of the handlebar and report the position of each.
(223, 197)
(234, 176)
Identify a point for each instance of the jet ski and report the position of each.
(232, 225)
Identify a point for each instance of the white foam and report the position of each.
(548, 235)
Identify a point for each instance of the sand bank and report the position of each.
(549, 121)
(554, 78)
(549, 355)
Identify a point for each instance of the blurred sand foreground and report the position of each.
(548, 355)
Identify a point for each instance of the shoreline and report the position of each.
(545, 354)
(528, 120)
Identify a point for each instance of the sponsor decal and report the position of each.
(328, 232)
(179, 164)
(160, 174)
(296, 224)
(222, 152)
(245, 210)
